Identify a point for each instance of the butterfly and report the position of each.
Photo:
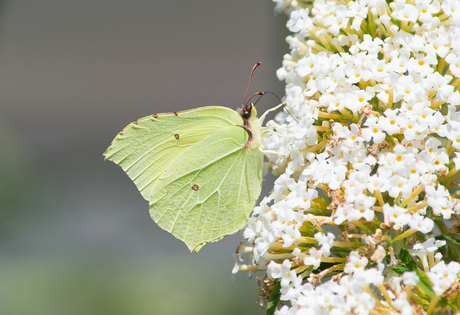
(199, 169)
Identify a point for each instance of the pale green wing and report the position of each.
(210, 190)
(146, 147)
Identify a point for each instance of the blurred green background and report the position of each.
(75, 235)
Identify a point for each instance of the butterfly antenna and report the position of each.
(256, 94)
(281, 103)
(263, 93)
(250, 77)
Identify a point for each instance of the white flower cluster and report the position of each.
(351, 293)
(366, 146)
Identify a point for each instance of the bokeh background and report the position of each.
(75, 235)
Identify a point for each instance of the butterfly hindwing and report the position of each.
(209, 191)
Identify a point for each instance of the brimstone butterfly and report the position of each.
(200, 169)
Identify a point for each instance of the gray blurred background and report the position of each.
(75, 235)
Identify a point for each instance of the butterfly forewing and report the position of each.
(146, 147)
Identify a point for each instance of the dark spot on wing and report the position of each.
(175, 114)
(195, 187)
(176, 136)
(155, 116)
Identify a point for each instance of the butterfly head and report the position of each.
(248, 112)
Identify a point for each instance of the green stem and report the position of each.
(330, 116)
(385, 295)
(434, 301)
(362, 226)
(421, 205)
(378, 195)
(417, 299)
(450, 177)
(414, 194)
(306, 240)
(345, 244)
(400, 237)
